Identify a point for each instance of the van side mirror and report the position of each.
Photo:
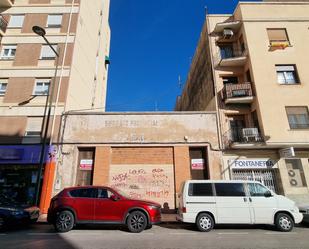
(268, 194)
(114, 198)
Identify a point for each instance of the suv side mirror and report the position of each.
(114, 198)
(268, 194)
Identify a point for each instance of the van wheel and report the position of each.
(64, 221)
(284, 222)
(205, 222)
(136, 222)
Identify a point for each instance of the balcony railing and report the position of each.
(3, 24)
(231, 57)
(243, 135)
(237, 93)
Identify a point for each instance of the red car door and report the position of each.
(106, 208)
(83, 203)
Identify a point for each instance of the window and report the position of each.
(286, 74)
(256, 189)
(298, 117)
(104, 193)
(230, 80)
(42, 87)
(296, 172)
(54, 21)
(34, 126)
(47, 53)
(83, 193)
(3, 86)
(277, 35)
(8, 52)
(200, 189)
(16, 21)
(230, 189)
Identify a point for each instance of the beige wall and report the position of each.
(85, 92)
(272, 113)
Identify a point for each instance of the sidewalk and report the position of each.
(165, 218)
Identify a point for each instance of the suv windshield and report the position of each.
(5, 200)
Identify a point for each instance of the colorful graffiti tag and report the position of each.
(152, 182)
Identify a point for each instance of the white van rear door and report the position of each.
(263, 208)
(232, 204)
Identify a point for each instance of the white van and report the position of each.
(206, 202)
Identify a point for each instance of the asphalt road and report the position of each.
(167, 236)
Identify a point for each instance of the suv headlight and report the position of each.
(154, 207)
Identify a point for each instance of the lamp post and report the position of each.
(47, 111)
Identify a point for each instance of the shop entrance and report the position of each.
(198, 163)
(19, 182)
(267, 177)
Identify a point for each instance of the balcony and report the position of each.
(3, 24)
(243, 136)
(237, 93)
(220, 27)
(231, 57)
(6, 3)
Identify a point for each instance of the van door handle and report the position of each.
(245, 199)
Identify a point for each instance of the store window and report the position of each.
(296, 172)
(18, 183)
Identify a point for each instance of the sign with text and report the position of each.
(86, 164)
(251, 163)
(198, 163)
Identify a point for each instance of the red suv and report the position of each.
(101, 205)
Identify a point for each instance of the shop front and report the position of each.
(19, 169)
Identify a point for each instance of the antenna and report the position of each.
(156, 106)
(179, 82)
(206, 10)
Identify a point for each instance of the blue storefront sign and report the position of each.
(21, 154)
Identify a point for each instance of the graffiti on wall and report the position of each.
(151, 182)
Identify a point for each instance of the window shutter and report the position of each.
(16, 21)
(54, 20)
(277, 35)
(297, 110)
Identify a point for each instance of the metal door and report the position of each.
(267, 177)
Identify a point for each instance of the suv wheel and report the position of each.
(64, 221)
(284, 222)
(205, 222)
(137, 222)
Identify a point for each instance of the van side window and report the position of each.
(256, 189)
(200, 189)
(230, 189)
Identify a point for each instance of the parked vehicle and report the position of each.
(304, 209)
(13, 213)
(101, 205)
(206, 203)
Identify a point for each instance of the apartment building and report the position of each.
(31, 73)
(251, 68)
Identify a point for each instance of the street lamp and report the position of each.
(48, 107)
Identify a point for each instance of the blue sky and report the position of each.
(152, 43)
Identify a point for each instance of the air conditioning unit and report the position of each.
(228, 33)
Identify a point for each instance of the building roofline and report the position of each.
(76, 113)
